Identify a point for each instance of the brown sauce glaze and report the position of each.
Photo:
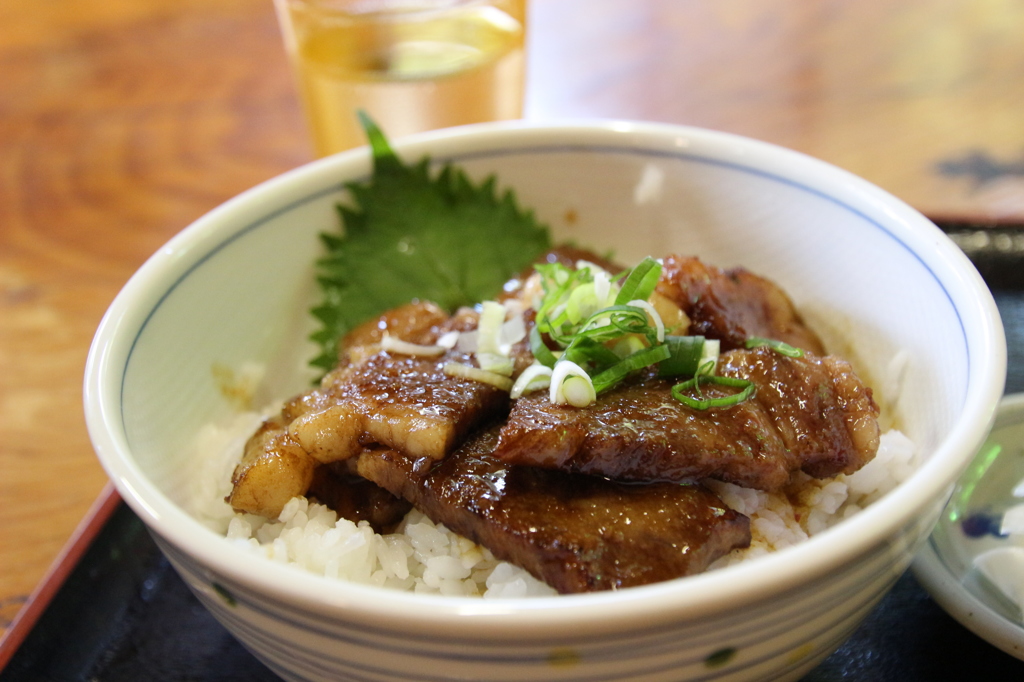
(807, 413)
(577, 533)
(733, 305)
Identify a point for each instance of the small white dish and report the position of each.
(969, 526)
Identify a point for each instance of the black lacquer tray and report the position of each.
(123, 615)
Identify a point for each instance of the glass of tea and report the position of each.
(412, 65)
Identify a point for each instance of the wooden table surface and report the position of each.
(121, 121)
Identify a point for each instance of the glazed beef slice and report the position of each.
(807, 413)
(733, 305)
(577, 533)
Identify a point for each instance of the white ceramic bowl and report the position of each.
(873, 275)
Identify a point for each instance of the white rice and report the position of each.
(809, 506)
(425, 557)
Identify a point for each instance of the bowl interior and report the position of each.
(880, 283)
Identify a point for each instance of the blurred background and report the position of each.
(121, 121)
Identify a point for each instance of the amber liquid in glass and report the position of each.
(410, 70)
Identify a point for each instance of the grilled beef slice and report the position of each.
(354, 498)
(577, 533)
(401, 401)
(273, 469)
(733, 305)
(807, 413)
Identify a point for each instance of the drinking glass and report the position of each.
(412, 65)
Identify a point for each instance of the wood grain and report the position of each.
(887, 89)
(122, 121)
(119, 125)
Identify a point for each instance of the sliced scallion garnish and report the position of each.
(448, 340)
(497, 363)
(640, 282)
(541, 353)
(747, 389)
(709, 356)
(627, 345)
(533, 378)
(607, 330)
(685, 353)
(396, 345)
(611, 323)
(492, 316)
(455, 369)
(780, 347)
(578, 391)
(659, 326)
(586, 351)
(564, 370)
(616, 373)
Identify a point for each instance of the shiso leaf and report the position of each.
(407, 235)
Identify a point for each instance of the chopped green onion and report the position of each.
(449, 339)
(541, 353)
(590, 296)
(552, 274)
(558, 317)
(533, 378)
(455, 369)
(641, 281)
(709, 356)
(492, 316)
(615, 321)
(562, 371)
(582, 303)
(578, 392)
(494, 362)
(603, 288)
(607, 331)
(707, 368)
(616, 373)
(627, 345)
(685, 354)
(747, 390)
(659, 326)
(512, 332)
(393, 345)
(780, 347)
(586, 353)
(557, 281)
